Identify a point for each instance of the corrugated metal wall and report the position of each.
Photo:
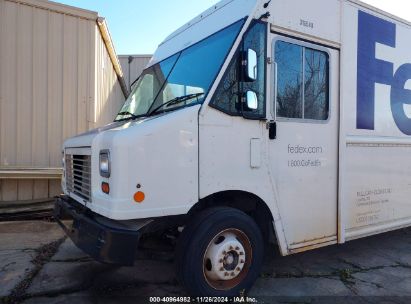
(51, 84)
(109, 95)
(132, 66)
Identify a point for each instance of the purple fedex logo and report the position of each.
(370, 70)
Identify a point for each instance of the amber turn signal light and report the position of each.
(105, 188)
(139, 197)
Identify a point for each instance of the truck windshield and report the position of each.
(190, 72)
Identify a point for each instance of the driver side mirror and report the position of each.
(251, 100)
(251, 64)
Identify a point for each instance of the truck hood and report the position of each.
(86, 139)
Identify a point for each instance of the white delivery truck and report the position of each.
(286, 119)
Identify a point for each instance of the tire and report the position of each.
(219, 253)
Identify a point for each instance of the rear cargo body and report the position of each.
(375, 141)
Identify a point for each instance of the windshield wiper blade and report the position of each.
(132, 116)
(175, 101)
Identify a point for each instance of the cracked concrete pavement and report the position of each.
(38, 264)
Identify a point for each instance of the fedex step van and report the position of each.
(282, 120)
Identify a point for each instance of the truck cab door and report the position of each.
(303, 145)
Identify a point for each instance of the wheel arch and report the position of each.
(247, 202)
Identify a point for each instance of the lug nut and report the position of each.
(238, 269)
(242, 261)
(222, 269)
(232, 274)
(241, 253)
(226, 274)
(237, 248)
(231, 248)
(221, 261)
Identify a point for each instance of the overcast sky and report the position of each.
(138, 26)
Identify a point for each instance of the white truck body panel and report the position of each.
(358, 180)
(314, 19)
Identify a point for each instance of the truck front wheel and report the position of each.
(219, 253)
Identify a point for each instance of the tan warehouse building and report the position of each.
(133, 66)
(59, 76)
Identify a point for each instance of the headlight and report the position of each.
(105, 169)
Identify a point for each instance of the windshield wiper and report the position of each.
(175, 101)
(132, 116)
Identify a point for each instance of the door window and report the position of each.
(230, 92)
(302, 82)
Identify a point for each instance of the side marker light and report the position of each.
(139, 197)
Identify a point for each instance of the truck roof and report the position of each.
(217, 17)
(285, 17)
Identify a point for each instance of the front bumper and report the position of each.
(106, 244)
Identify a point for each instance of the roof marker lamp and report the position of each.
(105, 166)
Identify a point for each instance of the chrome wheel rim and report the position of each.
(227, 260)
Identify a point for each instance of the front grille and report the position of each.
(78, 175)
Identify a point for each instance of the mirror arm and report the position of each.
(275, 90)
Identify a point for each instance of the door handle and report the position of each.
(272, 130)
